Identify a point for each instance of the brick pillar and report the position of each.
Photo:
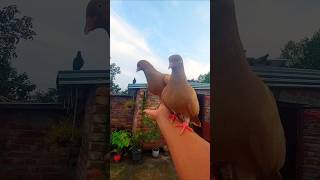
(152, 102)
(91, 161)
(137, 117)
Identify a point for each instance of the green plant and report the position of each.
(153, 132)
(136, 140)
(62, 134)
(120, 139)
(129, 104)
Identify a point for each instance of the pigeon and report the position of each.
(78, 61)
(179, 96)
(155, 79)
(247, 130)
(97, 16)
(134, 81)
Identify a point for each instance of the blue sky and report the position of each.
(154, 30)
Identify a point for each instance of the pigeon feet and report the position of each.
(172, 117)
(184, 126)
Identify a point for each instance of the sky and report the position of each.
(151, 30)
(265, 26)
(154, 30)
(59, 25)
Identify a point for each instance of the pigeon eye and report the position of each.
(100, 5)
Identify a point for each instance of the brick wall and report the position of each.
(153, 101)
(23, 151)
(121, 114)
(91, 162)
(311, 145)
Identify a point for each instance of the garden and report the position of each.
(129, 158)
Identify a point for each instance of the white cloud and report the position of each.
(128, 46)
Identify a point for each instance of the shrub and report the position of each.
(120, 139)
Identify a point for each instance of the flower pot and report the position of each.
(155, 152)
(117, 157)
(136, 154)
(166, 150)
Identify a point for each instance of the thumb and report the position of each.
(162, 110)
(151, 113)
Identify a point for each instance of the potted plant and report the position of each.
(166, 150)
(152, 135)
(155, 152)
(120, 139)
(135, 148)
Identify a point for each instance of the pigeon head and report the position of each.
(79, 54)
(96, 16)
(175, 62)
(142, 65)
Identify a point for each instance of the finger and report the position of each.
(151, 113)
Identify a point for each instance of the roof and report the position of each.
(272, 76)
(195, 85)
(83, 77)
(288, 77)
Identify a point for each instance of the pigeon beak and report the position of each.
(138, 69)
(90, 25)
(170, 65)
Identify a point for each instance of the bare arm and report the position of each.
(190, 153)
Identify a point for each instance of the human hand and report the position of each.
(191, 164)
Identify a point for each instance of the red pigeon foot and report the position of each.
(184, 126)
(172, 117)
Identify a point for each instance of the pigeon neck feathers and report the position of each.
(178, 73)
(229, 56)
(150, 71)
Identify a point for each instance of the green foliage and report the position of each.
(13, 29)
(153, 132)
(120, 139)
(136, 140)
(205, 78)
(129, 104)
(304, 54)
(114, 70)
(51, 96)
(125, 92)
(13, 86)
(62, 134)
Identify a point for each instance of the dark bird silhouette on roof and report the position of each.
(134, 81)
(78, 62)
(263, 58)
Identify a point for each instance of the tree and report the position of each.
(304, 54)
(114, 70)
(13, 86)
(51, 96)
(205, 78)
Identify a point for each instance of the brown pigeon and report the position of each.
(155, 79)
(247, 130)
(97, 16)
(179, 96)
